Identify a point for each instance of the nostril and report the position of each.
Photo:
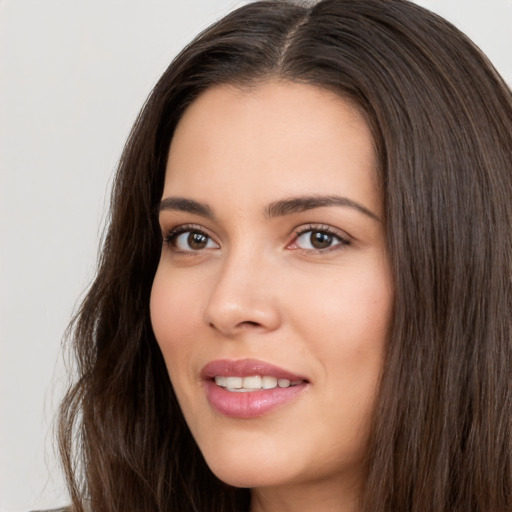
(249, 323)
(240, 325)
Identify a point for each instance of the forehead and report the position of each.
(272, 139)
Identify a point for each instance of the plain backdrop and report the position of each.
(73, 75)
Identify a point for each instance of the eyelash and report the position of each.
(170, 237)
(327, 230)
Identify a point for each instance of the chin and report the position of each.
(249, 475)
(251, 464)
(245, 478)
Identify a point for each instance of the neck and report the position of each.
(314, 496)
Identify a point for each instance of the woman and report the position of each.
(304, 293)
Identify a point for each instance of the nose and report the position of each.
(243, 297)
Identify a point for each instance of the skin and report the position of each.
(258, 290)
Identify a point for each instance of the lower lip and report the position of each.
(252, 404)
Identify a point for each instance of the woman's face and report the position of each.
(273, 273)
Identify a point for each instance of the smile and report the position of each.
(253, 383)
(249, 388)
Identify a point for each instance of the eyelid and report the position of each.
(170, 234)
(342, 236)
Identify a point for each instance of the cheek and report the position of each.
(174, 310)
(350, 309)
(346, 325)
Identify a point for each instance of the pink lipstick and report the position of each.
(249, 388)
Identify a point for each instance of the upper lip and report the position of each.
(246, 368)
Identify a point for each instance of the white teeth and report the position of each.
(253, 383)
(233, 382)
(220, 381)
(268, 382)
(283, 383)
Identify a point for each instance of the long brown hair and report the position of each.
(441, 117)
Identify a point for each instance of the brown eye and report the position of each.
(197, 241)
(190, 241)
(319, 240)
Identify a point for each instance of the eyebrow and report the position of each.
(276, 209)
(304, 203)
(182, 204)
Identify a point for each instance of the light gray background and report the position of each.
(73, 75)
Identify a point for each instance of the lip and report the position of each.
(245, 368)
(254, 403)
